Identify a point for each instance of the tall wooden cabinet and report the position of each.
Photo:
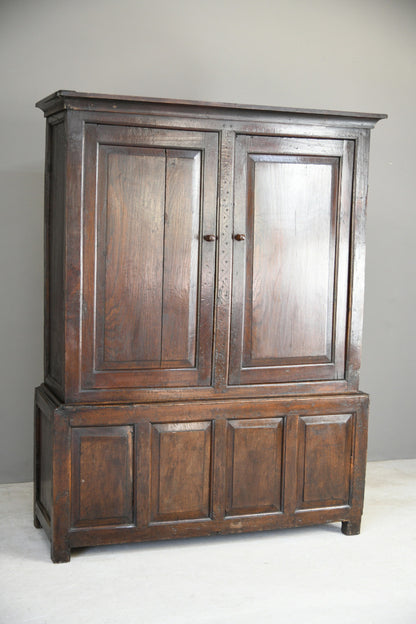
(203, 309)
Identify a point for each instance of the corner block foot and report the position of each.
(60, 555)
(351, 527)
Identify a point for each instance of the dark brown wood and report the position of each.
(254, 466)
(102, 476)
(204, 273)
(234, 470)
(145, 219)
(55, 171)
(181, 471)
(324, 461)
(61, 474)
(105, 102)
(295, 207)
(351, 527)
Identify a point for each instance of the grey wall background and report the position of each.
(357, 55)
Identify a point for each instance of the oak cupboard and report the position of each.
(204, 275)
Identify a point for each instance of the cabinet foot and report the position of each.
(36, 522)
(351, 527)
(60, 555)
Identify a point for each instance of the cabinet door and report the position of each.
(290, 271)
(148, 257)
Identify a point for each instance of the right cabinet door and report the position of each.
(292, 204)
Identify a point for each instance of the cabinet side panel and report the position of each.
(43, 464)
(55, 245)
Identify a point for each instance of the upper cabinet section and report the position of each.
(197, 250)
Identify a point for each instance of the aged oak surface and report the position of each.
(204, 272)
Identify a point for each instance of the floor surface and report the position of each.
(305, 575)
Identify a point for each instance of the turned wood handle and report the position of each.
(240, 237)
(210, 237)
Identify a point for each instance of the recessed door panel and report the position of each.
(181, 253)
(130, 247)
(148, 310)
(290, 273)
(292, 226)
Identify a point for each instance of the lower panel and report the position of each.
(325, 454)
(254, 466)
(180, 471)
(102, 476)
(147, 472)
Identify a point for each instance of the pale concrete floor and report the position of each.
(309, 575)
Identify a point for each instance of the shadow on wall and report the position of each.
(21, 317)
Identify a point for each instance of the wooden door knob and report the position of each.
(210, 237)
(240, 237)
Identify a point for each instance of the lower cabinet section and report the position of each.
(116, 474)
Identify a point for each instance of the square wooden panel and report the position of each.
(102, 476)
(181, 471)
(325, 446)
(254, 466)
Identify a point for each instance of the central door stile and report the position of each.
(225, 233)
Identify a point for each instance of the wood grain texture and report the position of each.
(133, 255)
(293, 218)
(55, 259)
(181, 258)
(293, 261)
(149, 208)
(324, 460)
(254, 466)
(174, 446)
(150, 257)
(181, 471)
(99, 102)
(84, 378)
(61, 478)
(75, 283)
(357, 276)
(102, 485)
(43, 439)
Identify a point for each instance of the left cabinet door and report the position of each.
(148, 257)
